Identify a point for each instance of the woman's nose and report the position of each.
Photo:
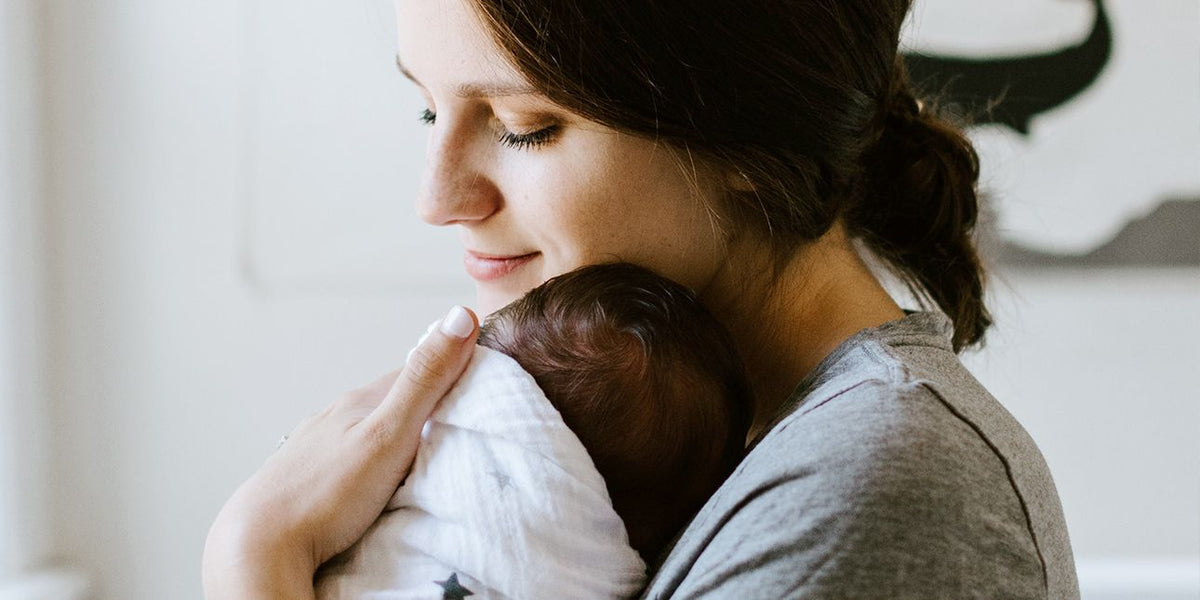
(455, 187)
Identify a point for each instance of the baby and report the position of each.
(652, 406)
(647, 379)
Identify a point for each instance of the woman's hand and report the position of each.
(318, 493)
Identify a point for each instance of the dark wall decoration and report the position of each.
(1169, 236)
(1015, 91)
(1012, 90)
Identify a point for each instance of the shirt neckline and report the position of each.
(915, 328)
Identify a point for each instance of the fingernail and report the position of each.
(458, 323)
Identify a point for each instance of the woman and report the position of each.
(755, 151)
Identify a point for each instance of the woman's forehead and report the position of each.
(443, 43)
(477, 89)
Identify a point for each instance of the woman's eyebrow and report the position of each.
(476, 90)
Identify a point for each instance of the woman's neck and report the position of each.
(785, 322)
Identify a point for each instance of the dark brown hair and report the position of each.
(647, 379)
(806, 100)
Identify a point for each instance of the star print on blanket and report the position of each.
(502, 503)
(451, 590)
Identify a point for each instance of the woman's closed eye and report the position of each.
(523, 141)
(520, 141)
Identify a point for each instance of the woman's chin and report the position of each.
(495, 292)
(489, 299)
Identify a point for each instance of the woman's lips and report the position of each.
(483, 267)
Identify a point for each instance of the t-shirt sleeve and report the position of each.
(880, 492)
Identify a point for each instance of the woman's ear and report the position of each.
(738, 181)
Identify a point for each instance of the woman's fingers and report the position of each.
(431, 371)
(322, 489)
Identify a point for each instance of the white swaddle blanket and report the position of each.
(503, 501)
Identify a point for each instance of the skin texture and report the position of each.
(591, 194)
(588, 194)
(331, 479)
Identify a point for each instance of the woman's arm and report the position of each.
(320, 491)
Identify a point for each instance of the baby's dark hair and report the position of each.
(647, 379)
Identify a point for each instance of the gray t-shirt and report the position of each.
(891, 473)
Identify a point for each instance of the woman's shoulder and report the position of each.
(892, 393)
(894, 411)
(891, 464)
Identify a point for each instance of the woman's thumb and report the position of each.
(431, 370)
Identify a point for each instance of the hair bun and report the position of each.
(918, 207)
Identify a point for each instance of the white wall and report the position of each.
(230, 245)
(182, 348)
(23, 455)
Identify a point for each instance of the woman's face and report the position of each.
(535, 190)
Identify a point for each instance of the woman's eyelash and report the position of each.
(523, 141)
(520, 141)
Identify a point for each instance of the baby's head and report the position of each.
(645, 377)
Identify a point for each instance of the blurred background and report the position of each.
(207, 233)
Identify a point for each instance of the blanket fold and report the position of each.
(502, 502)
